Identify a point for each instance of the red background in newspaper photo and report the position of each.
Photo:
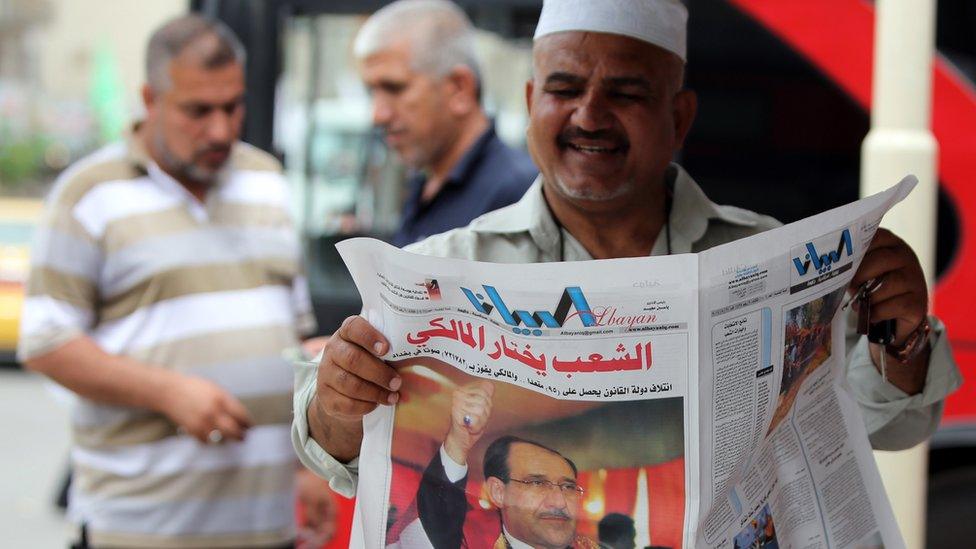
(342, 522)
(616, 446)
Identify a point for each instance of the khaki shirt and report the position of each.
(525, 232)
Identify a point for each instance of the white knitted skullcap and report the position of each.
(662, 23)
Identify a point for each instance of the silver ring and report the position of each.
(215, 437)
(468, 421)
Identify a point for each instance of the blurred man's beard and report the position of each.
(594, 195)
(183, 170)
(415, 159)
(422, 157)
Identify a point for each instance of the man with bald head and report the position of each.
(417, 59)
(607, 113)
(165, 284)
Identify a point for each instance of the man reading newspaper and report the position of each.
(607, 111)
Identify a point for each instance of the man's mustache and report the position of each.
(555, 513)
(615, 138)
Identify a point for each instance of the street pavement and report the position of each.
(34, 441)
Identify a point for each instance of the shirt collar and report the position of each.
(529, 215)
(140, 158)
(166, 182)
(461, 171)
(459, 175)
(526, 215)
(514, 543)
(137, 154)
(691, 212)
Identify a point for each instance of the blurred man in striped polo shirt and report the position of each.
(165, 284)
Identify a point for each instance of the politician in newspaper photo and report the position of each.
(806, 345)
(488, 464)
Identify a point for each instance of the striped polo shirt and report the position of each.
(126, 255)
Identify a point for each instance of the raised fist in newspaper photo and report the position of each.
(470, 411)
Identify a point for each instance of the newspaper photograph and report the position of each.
(692, 400)
(446, 490)
(807, 344)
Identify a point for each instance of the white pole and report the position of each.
(900, 142)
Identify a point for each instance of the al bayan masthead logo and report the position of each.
(572, 297)
(811, 267)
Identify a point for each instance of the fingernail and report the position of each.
(395, 383)
(393, 398)
(378, 347)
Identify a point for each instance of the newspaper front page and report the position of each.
(692, 400)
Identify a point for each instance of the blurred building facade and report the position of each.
(70, 73)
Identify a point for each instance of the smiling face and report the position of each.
(409, 106)
(533, 510)
(606, 115)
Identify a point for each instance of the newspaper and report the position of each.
(692, 400)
